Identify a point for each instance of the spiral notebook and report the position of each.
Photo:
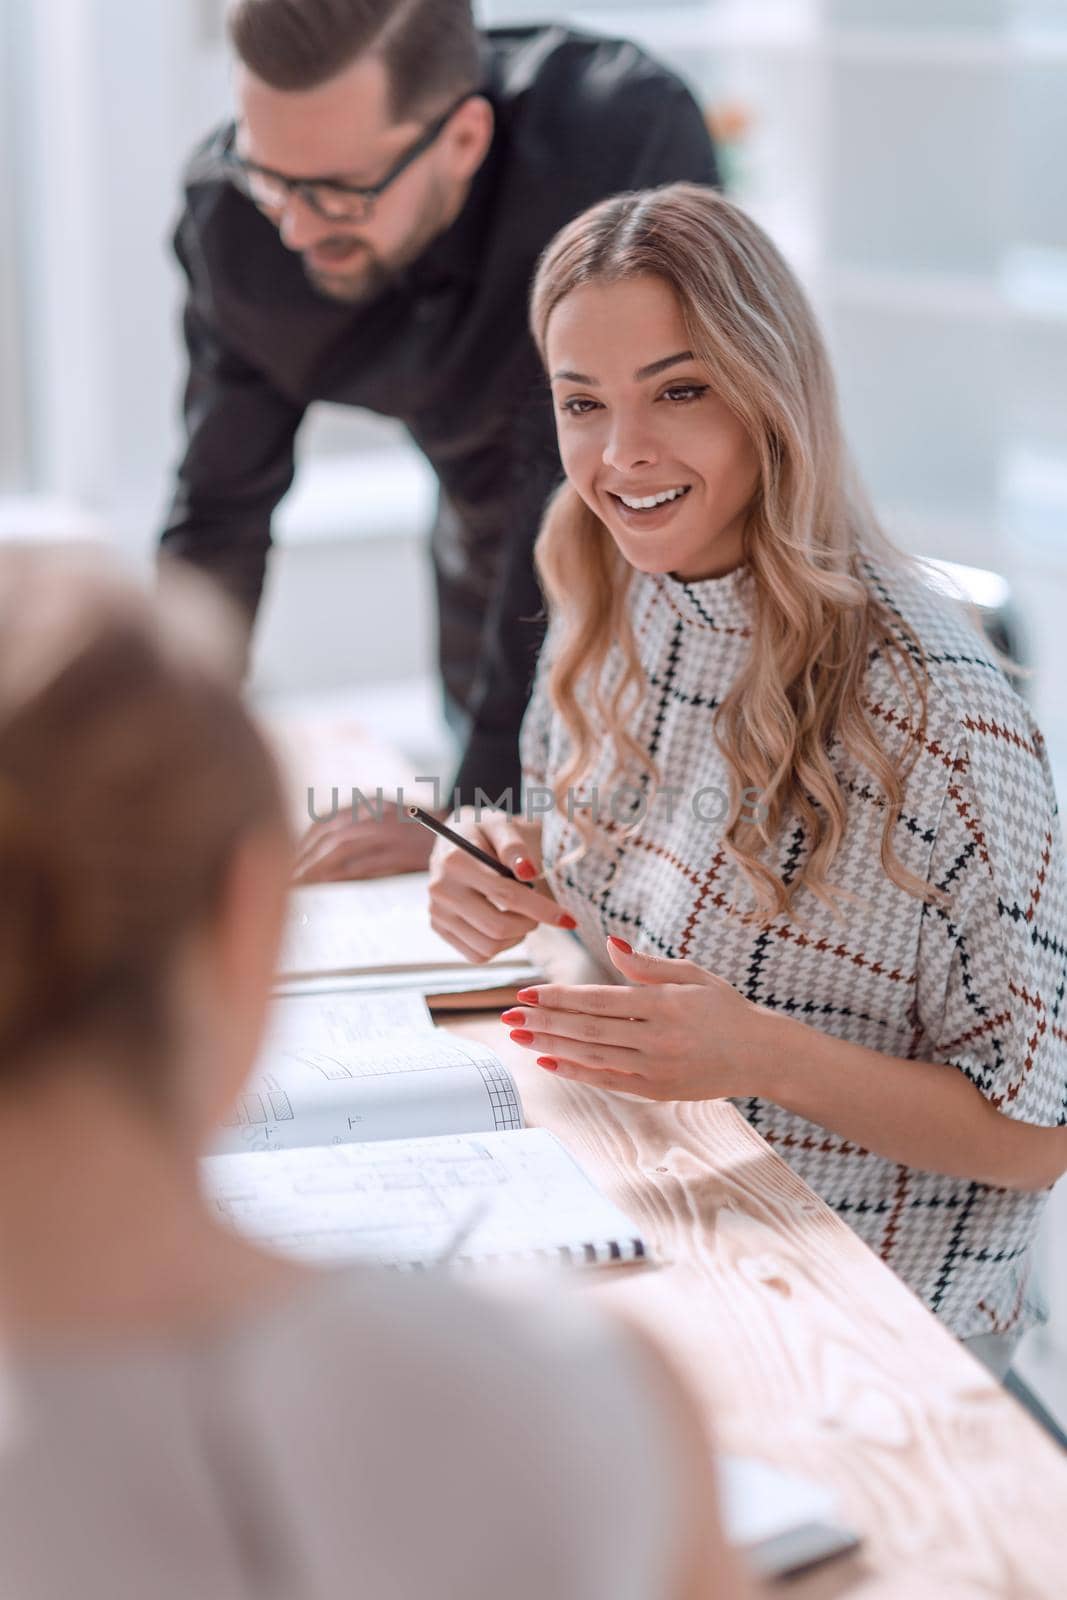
(406, 1202)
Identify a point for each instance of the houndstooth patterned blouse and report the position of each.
(980, 988)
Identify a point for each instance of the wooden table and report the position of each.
(805, 1350)
(802, 1348)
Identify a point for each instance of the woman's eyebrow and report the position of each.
(657, 367)
(651, 371)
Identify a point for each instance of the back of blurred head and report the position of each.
(130, 780)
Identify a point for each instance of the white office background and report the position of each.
(910, 156)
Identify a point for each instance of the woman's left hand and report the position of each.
(676, 1032)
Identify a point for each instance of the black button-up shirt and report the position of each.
(446, 349)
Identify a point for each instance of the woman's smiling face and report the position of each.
(639, 421)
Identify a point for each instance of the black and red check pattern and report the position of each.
(979, 987)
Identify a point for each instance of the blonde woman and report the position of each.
(181, 1413)
(783, 786)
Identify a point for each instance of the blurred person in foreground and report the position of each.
(183, 1413)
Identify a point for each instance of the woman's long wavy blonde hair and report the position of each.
(816, 620)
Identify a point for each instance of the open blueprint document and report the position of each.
(340, 1068)
(472, 1198)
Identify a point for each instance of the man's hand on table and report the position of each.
(369, 847)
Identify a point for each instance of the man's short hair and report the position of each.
(429, 47)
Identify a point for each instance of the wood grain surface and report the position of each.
(803, 1349)
(798, 1344)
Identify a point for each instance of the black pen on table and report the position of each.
(417, 814)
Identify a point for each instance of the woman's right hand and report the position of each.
(477, 910)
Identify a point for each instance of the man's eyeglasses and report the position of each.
(329, 198)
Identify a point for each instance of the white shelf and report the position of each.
(1047, 314)
(48, 519)
(967, 540)
(1034, 496)
(738, 25)
(918, 47)
(1036, 285)
(946, 47)
(368, 494)
(746, 28)
(1037, 45)
(954, 296)
(725, 28)
(668, 30)
(791, 230)
(675, 29)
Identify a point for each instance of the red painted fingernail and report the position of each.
(521, 1036)
(512, 1016)
(548, 1063)
(620, 944)
(525, 869)
(566, 921)
(528, 996)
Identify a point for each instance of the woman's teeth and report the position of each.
(650, 501)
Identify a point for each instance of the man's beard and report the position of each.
(359, 284)
(375, 274)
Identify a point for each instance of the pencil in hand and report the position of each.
(417, 814)
(561, 919)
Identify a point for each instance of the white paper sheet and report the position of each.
(381, 925)
(401, 1202)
